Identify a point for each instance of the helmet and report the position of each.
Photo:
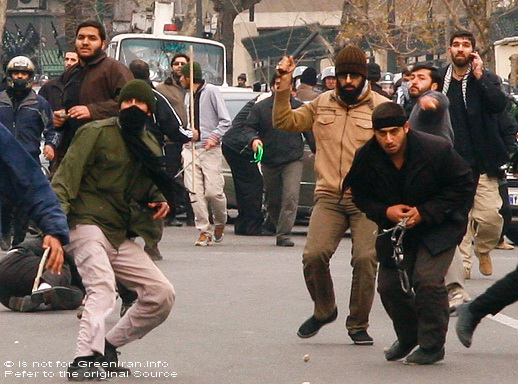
(327, 72)
(20, 64)
(298, 71)
(387, 78)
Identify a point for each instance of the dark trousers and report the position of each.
(248, 185)
(422, 319)
(17, 219)
(497, 297)
(505, 211)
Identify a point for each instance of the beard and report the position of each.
(461, 61)
(95, 54)
(350, 94)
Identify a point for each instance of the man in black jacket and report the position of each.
(403, 174)
(281, 164)
(476, 102)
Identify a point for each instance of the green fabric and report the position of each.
(99, 183)
(139, 90)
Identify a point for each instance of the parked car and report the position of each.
(236, 98)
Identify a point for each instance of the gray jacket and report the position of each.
(435, 122)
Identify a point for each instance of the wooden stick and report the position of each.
(40, 270)
(191, 110)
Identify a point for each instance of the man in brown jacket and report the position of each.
(341, 123)
(92, 86)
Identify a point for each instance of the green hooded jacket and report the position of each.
(100, 183)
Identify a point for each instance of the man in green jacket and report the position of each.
(107, 189)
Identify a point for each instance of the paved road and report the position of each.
(239, 304)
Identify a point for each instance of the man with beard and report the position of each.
(107, 185)
(52, 90)
(91, 87)
(476, 102)
(341, 123)
(431, 115)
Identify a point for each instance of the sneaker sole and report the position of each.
(363, 342)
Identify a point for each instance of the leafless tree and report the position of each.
(3, 14)
(227, 11)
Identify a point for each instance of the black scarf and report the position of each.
(132, 121)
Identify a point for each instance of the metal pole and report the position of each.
(199, 19)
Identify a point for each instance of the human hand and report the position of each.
(56, 258)
(428, 103)
(48, 152)
(162, 209)
(477, 65)
(59, 118)
(210, 143)
(396, 213)
(255, 144)
(80, 112)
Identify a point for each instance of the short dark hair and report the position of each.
(466, 34)
(275, 76)
(388, 114)
(140, 69)
(434, 74)
(94, 24)
(180, 55)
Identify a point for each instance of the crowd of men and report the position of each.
(427, 164)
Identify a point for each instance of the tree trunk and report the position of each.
(3, 15)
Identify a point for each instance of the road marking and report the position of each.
(506, 320)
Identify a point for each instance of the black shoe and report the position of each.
(85, 369)
(284, 242)
(173, 223)
(312, 325)
(5, 242)
(59, 298)
(361, 338)
(398, 350)
(466, 324)
(110, 361)
(423, 356)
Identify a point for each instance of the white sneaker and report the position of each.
(456, 296)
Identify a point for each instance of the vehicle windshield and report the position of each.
(159, 52)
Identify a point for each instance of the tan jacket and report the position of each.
(339, 131)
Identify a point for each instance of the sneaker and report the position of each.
(466, 324)
(284, 242)
(312, 325)
(85, 369)
(218, 233)
(485, 265)
(505, 246)
(456, 296)
(204, 240)
(425, 356)
(153, 252)
(110, 361)
(361, 338)
(398, 350)
(58, 298)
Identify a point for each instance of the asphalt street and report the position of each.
(238, 306)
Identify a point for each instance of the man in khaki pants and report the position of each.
(341, 123)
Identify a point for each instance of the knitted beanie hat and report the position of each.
(351, 59)
(198, 75)
(387, 115)
(139, 90)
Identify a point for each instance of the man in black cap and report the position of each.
(308, 81)
(341, 123)
(398, 175)
(107, 186)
